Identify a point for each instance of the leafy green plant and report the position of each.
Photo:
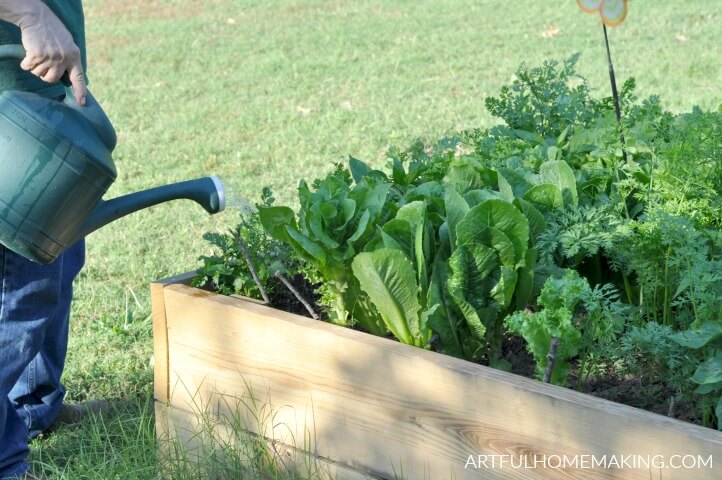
(335, 220)
(545, 100)
(676, 265)
(396, 276)
(575, 234)
(387, 276)
(707, 337)
(489, 259)
(465, 261)
(228, 271)
(649, 353)
(689, 178)
(581, 318)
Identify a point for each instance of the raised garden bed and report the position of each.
(370, 407)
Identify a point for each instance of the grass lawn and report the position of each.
(263, 93)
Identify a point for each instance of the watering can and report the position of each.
(55, 165)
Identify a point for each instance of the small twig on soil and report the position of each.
(296, 293)
(252, 268)
(551, 358)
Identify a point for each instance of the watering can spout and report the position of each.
(207, 191)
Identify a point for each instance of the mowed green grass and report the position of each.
(264, 93)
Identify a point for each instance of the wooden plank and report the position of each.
(373, 405)
(184, 437)
(161, 384)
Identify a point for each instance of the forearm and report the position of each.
(23, 12)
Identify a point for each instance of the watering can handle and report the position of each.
(17, 51)
(91, 111)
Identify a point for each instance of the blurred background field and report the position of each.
(264, 93)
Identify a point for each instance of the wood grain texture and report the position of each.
(161, 382)
(185, 437)
(376, 406)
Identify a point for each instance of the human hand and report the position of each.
(51, 50)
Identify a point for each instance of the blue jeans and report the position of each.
(34, 313)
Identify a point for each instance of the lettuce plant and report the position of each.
(492, 239)
(469, 242)
(582, 318)
(558, 301)
(335, 221)
(396, 276)
(387, 276)
(449, 265)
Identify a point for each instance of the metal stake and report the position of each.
(615, 93)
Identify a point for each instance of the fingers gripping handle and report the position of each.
(17, 52)
(91, 110)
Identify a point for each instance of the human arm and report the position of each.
(50, 48)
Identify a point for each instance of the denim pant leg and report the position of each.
(29, 298)
(38, 394)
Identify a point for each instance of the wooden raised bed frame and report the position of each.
(374, 408)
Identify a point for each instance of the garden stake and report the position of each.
(615, 93)
(613, 13)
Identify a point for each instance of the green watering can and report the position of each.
(55, 165)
